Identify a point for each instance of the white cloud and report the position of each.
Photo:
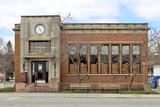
(105, 11)
(81, 11)
(147, 9)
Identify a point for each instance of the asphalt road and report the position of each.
(76, 100)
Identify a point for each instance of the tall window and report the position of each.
(94, 59)
(83, 58)
(115, 59)
(104, 58)
(125, 59)
(72, 51)
(136, 59)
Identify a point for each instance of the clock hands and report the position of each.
(40, 29)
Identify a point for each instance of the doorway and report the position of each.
(39, 71)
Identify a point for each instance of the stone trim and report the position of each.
(106, 31)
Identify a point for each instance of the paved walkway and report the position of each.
(77, 100)
(79, 95)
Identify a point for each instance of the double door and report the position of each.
(39, 71)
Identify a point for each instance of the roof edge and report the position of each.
(40, 16)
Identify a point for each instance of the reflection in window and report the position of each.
(47, 65)
(94, 59)
(72, 51)
(83, 54)
(136, 49)
(104, 59)
(115, 54)
(40, 74)
(33, 71)
(72, 54)
(83, 58)
(115, 58)
(136, 54)
(125, 59)
(136, 59)
(104, 54)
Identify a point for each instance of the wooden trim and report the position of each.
(99, 59)
(131, 58)
(78, 59)
(89, 60)
(110, 61)
(120, 58)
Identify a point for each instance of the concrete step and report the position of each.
(42, 87)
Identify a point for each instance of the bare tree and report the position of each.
(7, 59)
(78, 60)
(151, 59)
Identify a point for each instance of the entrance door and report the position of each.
(39, 71)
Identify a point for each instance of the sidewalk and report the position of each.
(78, 95)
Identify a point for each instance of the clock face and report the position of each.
(40, 29)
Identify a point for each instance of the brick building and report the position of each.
(52, 56)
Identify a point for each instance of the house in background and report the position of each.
(53, 56)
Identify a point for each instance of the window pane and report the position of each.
(72, 49)
(125, 49)
(83, 49)
(83, 54)
(136, 54)
(115, 54)
(115, 59)
(94, 58)
(83, 58)
(136, 68)
(93, 50)
(115, 50)
(136, 49)
(104, 54)
(104, 50)
(72, 54)
(125, 59)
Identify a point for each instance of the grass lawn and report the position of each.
(8, 89)
(135, 92)
(111, 91)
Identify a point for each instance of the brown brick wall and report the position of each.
(17, 56)
(107, 37)
(97, 37)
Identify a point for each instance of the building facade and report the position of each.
(52, 56)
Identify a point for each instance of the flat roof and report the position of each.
(106, 23)
(106, 26)
(40, 16)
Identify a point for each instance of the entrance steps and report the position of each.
(37, 87)
(42, 87)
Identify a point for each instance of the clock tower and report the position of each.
(39, 50)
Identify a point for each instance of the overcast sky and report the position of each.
(105, 11)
